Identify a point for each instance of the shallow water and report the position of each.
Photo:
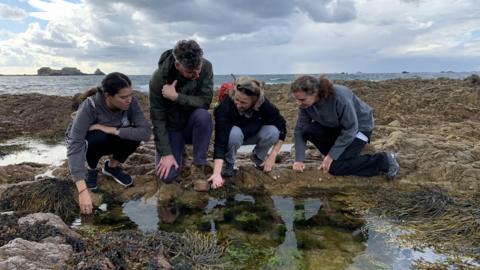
(277, 232)
(34, 151)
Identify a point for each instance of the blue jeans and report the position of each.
(263, 140)
(197, 132)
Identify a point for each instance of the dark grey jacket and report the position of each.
(131, 124)
(344, 110)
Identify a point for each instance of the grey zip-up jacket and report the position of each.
(344, 110)
(132, 125)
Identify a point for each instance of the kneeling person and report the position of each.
(109, 121)
(339, 124)
(246, 117)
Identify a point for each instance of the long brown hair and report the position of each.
(322, 86)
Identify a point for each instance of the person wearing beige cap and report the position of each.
(246, 117)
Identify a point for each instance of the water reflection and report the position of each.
(143, 212)
(287, 254)
(382, 251)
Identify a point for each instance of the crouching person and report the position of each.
(246, 117)
(109, 121)
(181, 91)
(339, 124)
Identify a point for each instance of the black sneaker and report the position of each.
(117, 173)
(393, 166)
(228, 170)
(258, 162)
(91, 180)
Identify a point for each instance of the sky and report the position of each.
(242, 36)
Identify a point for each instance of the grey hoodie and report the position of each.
(131, 124)
(345, 111)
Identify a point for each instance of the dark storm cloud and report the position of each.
(233, 16)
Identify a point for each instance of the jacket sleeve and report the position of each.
(140, 130)
(223, 126)
(204, 97)
(303, 120)
(158, 115)
(76, 143)
(347, 118)
(276, 119)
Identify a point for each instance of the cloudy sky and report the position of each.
(242, 36)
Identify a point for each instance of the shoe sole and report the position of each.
(116, 180)
(397, 166)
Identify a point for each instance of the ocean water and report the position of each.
(69, 85)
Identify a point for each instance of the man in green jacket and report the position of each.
(181, 91)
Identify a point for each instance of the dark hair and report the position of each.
(323, 87)
(188, 53)
(114, 82)
(111, 84)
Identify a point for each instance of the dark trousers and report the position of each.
(101, 144)
(350, 162)
(197, 132)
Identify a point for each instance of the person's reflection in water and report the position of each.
(287, 253)
(168, 212)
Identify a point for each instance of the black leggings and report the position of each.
(102, 144)
(350, 162)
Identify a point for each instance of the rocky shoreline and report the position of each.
(433, 125)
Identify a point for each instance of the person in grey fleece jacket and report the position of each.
(109, 121)
(339, 124)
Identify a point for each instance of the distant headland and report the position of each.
(66, 71)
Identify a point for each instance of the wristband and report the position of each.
(80, 192)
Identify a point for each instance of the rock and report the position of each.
(22, 254)
(98, 72)
(168, 192)
(473, 79)
(49, 219)
(395, 123)
(36, 115)
(201, 185)
(17, 173)
(46, 71)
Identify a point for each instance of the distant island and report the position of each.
(66, 71)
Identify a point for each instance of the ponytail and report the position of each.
(77, 99)
(325, 88)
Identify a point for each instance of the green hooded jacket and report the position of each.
(167, 115)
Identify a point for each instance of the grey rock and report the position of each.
(51, 220)
(22, 254)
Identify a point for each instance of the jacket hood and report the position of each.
(166, 61)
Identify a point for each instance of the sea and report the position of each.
(70, 85)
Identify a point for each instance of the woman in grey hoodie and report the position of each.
(109, 121)
(339, 124)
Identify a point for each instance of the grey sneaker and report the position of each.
(228, 169)
(91, 180)
(117, 173)
(258, 162)
(393, 167)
